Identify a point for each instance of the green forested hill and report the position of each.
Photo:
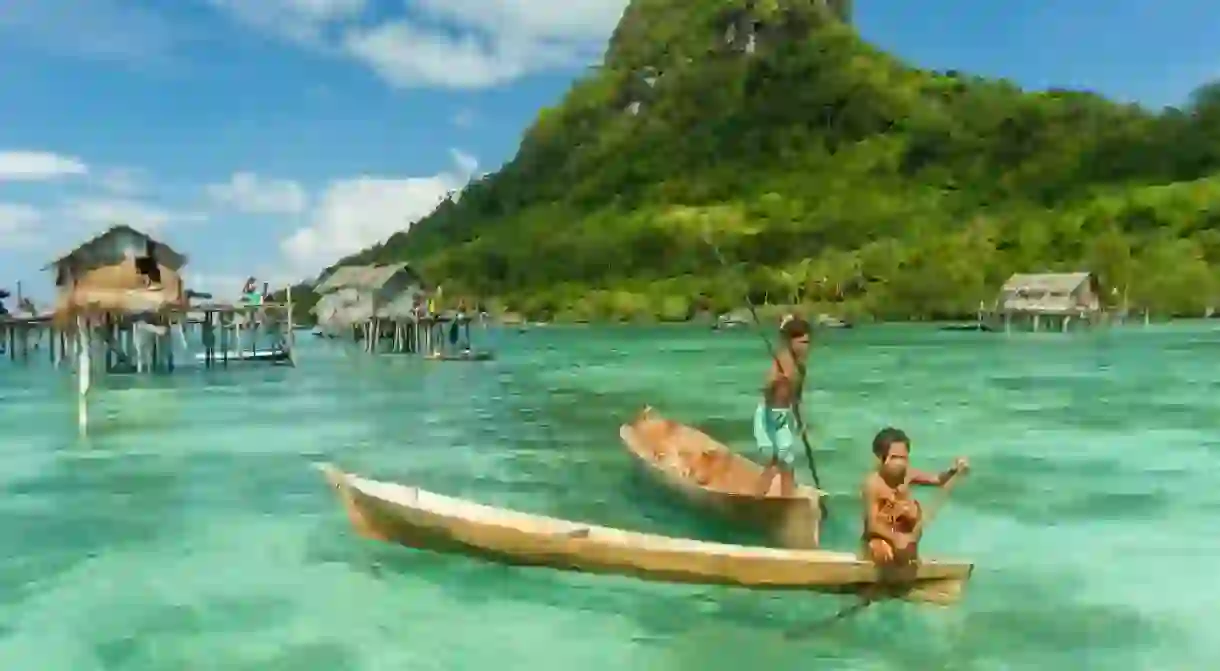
(837, 173)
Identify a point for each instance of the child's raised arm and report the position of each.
(939, 479)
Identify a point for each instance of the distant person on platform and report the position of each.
(250, 294)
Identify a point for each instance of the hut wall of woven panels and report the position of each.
(119, 290)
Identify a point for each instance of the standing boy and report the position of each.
(777, 417)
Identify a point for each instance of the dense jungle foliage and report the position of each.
(829, 173)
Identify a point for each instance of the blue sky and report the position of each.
(270, 137)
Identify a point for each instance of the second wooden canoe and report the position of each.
(713, 479)
(418, 518)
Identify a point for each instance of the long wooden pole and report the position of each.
(813, 468)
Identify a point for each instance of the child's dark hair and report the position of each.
(887, 438)
(792, 327)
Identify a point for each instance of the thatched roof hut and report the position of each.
(1050, 294)
(356, 294)
(121, 271)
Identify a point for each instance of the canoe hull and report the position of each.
(449, 525)
(482, 355)
(668, 454)
(265, 356)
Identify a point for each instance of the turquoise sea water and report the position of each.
(187, 531)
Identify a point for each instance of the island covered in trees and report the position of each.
(829, 173)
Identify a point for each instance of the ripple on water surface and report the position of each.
(188, 531)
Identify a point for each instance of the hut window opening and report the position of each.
(147, 265)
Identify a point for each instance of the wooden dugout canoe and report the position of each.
(711, 478)
(421, 519)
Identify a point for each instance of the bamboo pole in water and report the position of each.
(290, 338)
(83, 366)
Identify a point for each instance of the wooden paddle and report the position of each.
(771, 351)
(870, 594)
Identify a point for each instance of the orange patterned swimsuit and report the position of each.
(901, 513)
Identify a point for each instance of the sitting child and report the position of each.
(891, 514)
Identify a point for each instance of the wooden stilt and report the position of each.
(83, 368)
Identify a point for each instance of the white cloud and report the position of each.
(18, 224)
(301, 21)
(589, 21)
(96, 214)
(250, 193)
(37, 166)
(406, 56)
(122, 181)
(354, 213)
(467, 164)
(24, 225)
(461, 44)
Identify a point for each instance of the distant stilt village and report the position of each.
(121, 307)
(388, 309)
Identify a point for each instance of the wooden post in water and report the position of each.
(83, 372)
(169, 345)
(155, 364)
(209, 339)
(225, 336)
(108, 324)
(290, 337)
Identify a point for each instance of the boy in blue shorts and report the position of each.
(777, 418)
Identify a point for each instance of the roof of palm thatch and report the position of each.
(1049, 293)
(1049, 282)
(166, 255)
(364, 278)
(344, 307)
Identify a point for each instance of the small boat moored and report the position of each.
(464, 355)
(421, 519)
(276, 355)
(713, 479)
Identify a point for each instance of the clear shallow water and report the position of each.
(188, 531)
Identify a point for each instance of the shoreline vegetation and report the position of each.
(831, 175)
